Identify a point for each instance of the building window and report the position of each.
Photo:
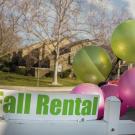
(70, 59)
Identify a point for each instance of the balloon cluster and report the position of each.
(93, 65)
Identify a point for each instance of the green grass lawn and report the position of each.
(12, 79)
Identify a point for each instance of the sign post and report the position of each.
(111, 115)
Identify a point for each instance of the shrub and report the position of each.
(13, 68)
(1, 66)
(5, 69)
(21, 71)
(49, 74)
(65, 73)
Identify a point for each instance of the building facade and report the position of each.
(41, 55)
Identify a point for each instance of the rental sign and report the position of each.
(16, 105)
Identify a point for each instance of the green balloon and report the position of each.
(92, 64)
(123, 41)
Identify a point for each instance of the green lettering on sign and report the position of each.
(55, 107)
(42, 104)
(78, 105)
(95, 105)
(86, 109)
(27, 104)
(20, 103)
(46, 106)
(9, 104)
(68, 107)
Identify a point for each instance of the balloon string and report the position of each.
(113, 67)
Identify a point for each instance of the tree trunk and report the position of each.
(39, 65)
(37, 76)
(56, 64)
(55, 76)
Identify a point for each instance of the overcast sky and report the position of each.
(129, 4)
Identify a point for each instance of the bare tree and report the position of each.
(101, 19)
(10, 17)
(51, 22)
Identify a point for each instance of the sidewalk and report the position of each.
(48, 89)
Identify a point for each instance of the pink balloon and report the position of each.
(91, 89)
(112, 90)
(127, 87)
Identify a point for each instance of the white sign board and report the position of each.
(47, 106)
